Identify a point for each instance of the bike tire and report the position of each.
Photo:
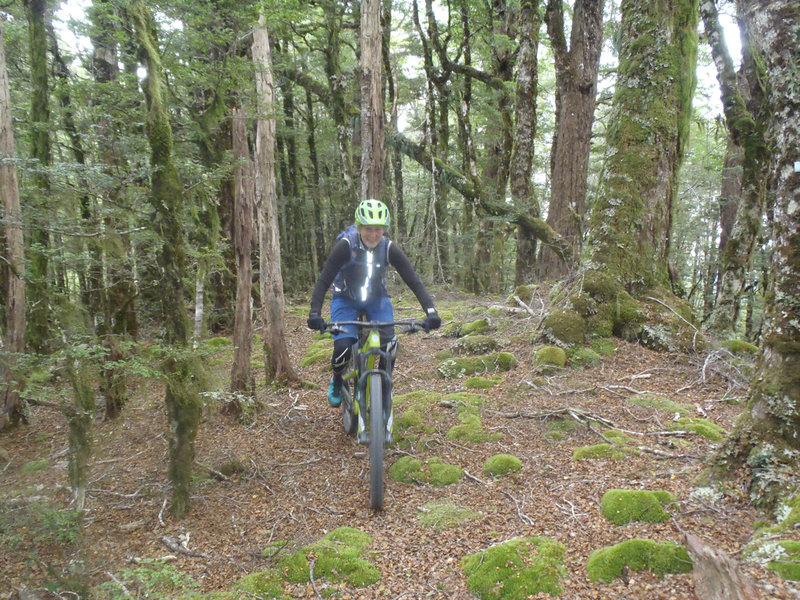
(376, 440)
(349, 418)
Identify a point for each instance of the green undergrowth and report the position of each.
(701, 427)
(665, 404)
(607, 564)
(787, 565)
(444, 515)
(317, 352)
(435, 471)
(560, 429)
(471, 430)
(623, 506)
(610, 451)
(516, 569)
(482, 383)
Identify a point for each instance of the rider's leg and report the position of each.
(342, 309)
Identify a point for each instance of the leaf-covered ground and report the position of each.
(298, 476)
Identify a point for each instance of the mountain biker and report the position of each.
(357, 268)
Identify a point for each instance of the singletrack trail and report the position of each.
(298, 476)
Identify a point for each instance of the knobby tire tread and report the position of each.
(376, 440)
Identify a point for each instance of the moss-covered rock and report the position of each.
(582, 357)
(442, 473)
(444, 515)
(606, 564)
(261, 584)
(471, 430)
(523, 292)
(565, 326)
(702, 427)
(740, 347)
(516, 569)
(604, 346)
(476, 344)
(501, 464)
(623, 506)
(460, 367)
(474, 327)
(787, 566)
(452, 329)
(550, 356)
(407, 469)
(609, 451)
(482, 383)
(338, 559)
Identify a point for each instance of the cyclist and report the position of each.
(357, 268)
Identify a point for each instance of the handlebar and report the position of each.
(410, 326)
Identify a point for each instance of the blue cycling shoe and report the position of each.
(335, 393)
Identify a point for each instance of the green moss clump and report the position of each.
(606, 564)
(615, 436)
(788, 567)
(566, 326)
(444, 354)
(501, 464)
(583, 357)
(261, 584)
(34, 466)
(459, 367)
(559, 429)
(452, 329)
(464, 399)
(441, 473)
(435, 471)
(623, 506)
(338, 557)
(703, 427)
(523, 292)
(664, 404)
(471, 430)
(443, 515)
(317, 352)
(604, 346)
(740, 347)
(475, 327)
(603, 451)
(482, 383)
(476, 344)
(550, 355)
(516, 569)
(217, 343)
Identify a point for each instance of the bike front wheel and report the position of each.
(349, 418)
(376, 439)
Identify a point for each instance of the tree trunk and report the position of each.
(373, 156)
(576, 89)
(649, 125)
(522, 195)
(14, 257)
(38, 289)
(747, 130)
(166, 195)
(241, 375)
(278, 364)
(766, 438)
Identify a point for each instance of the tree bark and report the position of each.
(166, 196)
(241, 375)
(651, 111)
(14, 255)
(522, 194)
(278, 364)
(766, 438)
(576, 89)
(39, 299)
(373, 155)
(746, 128)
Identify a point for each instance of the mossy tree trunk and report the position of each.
(13, 263)
(766, 437)
(166, 195)
(373, 156)
(522, 193)
(577, 66)
(649, 125)
(39, 292)
(745, 122)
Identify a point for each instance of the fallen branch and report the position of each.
(468, 476)
(662, 453)
(576, 413)
(311, 577)
(522, 516)
(176, 546)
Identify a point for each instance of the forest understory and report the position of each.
(299, 476)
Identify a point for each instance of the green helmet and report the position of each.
(372, 212)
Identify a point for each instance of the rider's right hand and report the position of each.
(315, 322)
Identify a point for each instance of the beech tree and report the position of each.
(14, 258)
(766, 439)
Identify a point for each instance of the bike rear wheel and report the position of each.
(376, 439)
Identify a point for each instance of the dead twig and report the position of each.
(522, 516)
(468, 476)
(311, 577)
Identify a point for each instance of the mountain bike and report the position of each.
(367, 385)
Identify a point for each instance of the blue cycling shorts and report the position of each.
(346, 309)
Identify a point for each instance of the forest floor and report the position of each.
(303, 477)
